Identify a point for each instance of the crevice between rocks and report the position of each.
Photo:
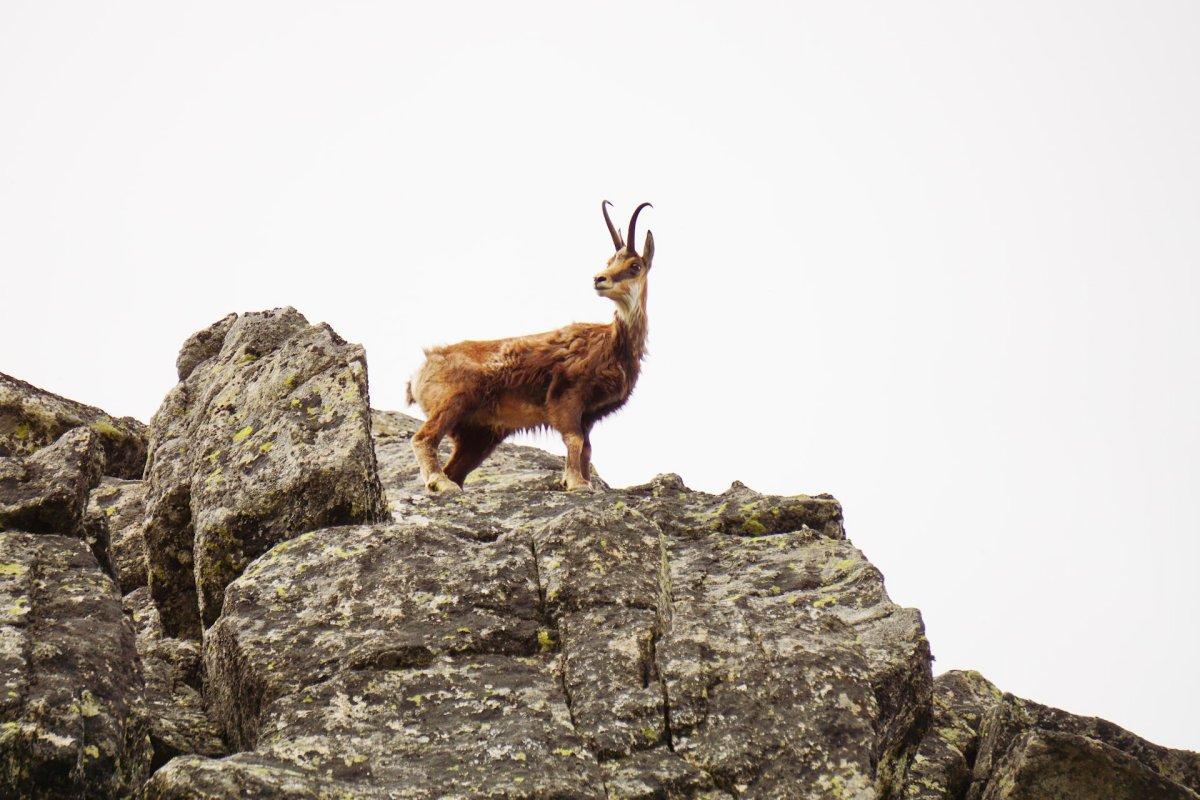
(668, 733)
(549, 624)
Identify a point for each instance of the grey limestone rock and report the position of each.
(268, 435)
(179, 720)
(393, 596)
(31, 418)
(690, 645)
(47, 492)
(289, 634)
(115, 510)
(1027, 750)
(72, 714)
(473, 726)
(941, 766)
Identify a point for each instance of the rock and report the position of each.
(117, 507)
(689, 656)
(179, 721)
(515, 640)
(602, 574)
(383, 596)
(203, 345)
(787, 670)
(1044, 764)
(941, 766)
(31, 418)
(47, 492)
(657, 773)
(474, 726)
(72, 715)
(739, 510)
(1028, 751)
(267, 436)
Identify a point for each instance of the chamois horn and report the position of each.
(633, 225)
(616, 237)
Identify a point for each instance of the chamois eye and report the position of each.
(635, 269)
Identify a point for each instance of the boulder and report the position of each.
(72, 713)
(47, 492)
(1045, 764)
(941, 766)
(31, 418)
(115, 510)
(267, 435)
(1027, 750)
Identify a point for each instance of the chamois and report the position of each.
(481, 392)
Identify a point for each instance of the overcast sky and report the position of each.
(938, 259)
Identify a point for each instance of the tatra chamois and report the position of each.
(480, 393)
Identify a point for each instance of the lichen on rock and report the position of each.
(72, 714)
(31, 418)
(267, 435)
(47, 491)
(286, 633)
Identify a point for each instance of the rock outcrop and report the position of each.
(72, 709)
(267, 435)
(31, 418)
(285, 636)
(47, 492)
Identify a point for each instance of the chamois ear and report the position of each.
(648, 250)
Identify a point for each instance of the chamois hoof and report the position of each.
(440, 484)
(585, 486)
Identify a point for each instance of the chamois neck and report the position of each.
(630, 324)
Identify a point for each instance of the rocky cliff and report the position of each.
(252, 597)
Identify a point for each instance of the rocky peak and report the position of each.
(301, 620)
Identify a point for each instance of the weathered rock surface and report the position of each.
(383, 596)
(682, 658)
(941, 766)
(115, 510)
(294, 639)
(31, 418)
(179, 720)
(1028, 751)
(266, 436)
(72, 716)
(47, 492)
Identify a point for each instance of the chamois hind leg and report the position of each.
(472, 444)
(425, 444)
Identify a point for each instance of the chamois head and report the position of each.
(623, 279)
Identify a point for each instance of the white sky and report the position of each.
(938, 259)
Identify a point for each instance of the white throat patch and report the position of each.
(630, 305)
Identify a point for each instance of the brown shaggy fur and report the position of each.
(481, 392)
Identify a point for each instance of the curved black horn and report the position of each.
(633, 226)
(616, 237)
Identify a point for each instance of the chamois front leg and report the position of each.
(425, 444)
(566, 416)
(574, 477)
(585, 456)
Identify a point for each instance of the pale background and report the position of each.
(936, 258)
